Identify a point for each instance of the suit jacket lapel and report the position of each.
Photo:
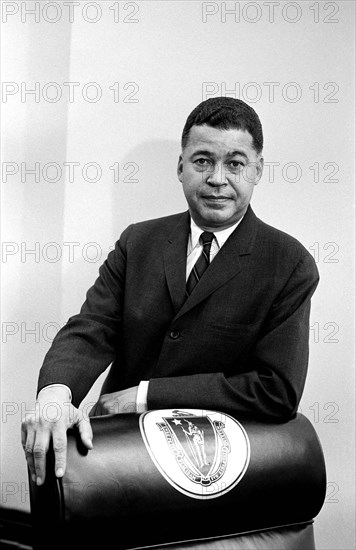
(175, 261)
(226, 264)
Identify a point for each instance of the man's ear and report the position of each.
(180, 169)
(259, 169)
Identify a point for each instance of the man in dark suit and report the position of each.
(206, 309)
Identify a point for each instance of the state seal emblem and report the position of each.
(202, 454)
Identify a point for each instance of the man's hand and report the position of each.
(53, 415)
(116, 403)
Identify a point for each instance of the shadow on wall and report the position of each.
(147, 175)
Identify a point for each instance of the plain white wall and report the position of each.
(164, 55)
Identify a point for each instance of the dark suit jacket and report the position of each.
(239, 343)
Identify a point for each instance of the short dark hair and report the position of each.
(225, 113)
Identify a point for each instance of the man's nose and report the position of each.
(217, 175)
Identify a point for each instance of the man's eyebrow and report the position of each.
(229, 154)
(203, 152)
(237, 152)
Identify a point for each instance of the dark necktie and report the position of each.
(202, 262)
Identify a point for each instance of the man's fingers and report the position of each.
(39, 429)
(40, 449)
(36, 435)
(86, 432)
(59, 438)
(100, 408)
(28, 440)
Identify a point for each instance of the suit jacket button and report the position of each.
(174, 334)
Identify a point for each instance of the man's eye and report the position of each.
(235, 164)
(202, 162)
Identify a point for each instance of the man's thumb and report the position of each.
(86, 433)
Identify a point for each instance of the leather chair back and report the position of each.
(166, 477)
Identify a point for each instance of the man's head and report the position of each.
(225, 113)
(221, 161)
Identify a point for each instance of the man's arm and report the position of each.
(79, 353)
(272, 386)
(86, 345)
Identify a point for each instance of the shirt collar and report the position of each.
(221, 235)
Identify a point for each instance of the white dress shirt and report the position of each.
(195, 247)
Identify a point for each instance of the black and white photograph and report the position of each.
(177, 264)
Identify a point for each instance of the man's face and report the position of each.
(218, 170)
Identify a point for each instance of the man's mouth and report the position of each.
(216, 197)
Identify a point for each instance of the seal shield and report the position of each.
(202, 454)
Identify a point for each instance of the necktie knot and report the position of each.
(207, 238)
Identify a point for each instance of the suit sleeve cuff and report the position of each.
(141, 399)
